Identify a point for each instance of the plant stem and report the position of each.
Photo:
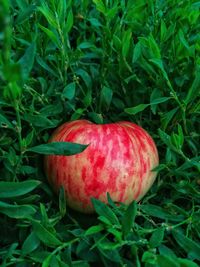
(19, 132)
(19, 126)
(65, 245)
(181, 223)
(174, 94)
(62, 49)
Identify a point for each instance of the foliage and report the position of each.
(104, 61)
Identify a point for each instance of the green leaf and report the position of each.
(12, 72)
(182, 39)
(100, 6)
(159, 100)
(175, 140)
(159, 212)
(163, 31)
(27, 170)
(136, 109)
(190, 246)
(12, 91)
(69, 91)
(141, 107)
(180, 135)
(106, 95)
(59, 262)
(39, 256)
(85, 251)
(164, 250)
(47, 261)
(48, 238)
(30, 244)
(86, 45)
(81, 263)
(21, 4)
(9, 253)
(62, 201)
(77, 114)
(69, 23)
(4, 122)
(15, 189)
(160, 167)
(156, 93)
(95, 117)
(85, 76)
(104, 220)
(196, 4)
(149, 257)
(117, 234)
(62, 10)
(52, 36)
(51, 110)
(146, 66)
(129, 218)
(94, 229)
(167, 117)
(112, 255)
(107, 245)
(194, 90)
(39, 120)
(158, 62)
(44, 65)
(112, 12)
(126, 42)
(117, 42)
(118, 103)
(186, 263)
(165, 138)
(87, 100)
(27, 60)
(58, 148)
(103, 210)
(154, 47)
(95, 22)
(17, 211)
(29, 138)
(157, 237)
(44, 219)
(48, 14)
(24, 14)
(136, 52)
(166, 261)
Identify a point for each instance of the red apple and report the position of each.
(119, 160)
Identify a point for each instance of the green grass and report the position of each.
(104, 61)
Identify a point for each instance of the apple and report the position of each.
(119, 160)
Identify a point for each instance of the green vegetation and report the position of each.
(105, 61)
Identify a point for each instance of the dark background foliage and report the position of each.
(104, 61)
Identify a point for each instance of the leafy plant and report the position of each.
(104, 61)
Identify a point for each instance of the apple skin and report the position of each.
(119, 160)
